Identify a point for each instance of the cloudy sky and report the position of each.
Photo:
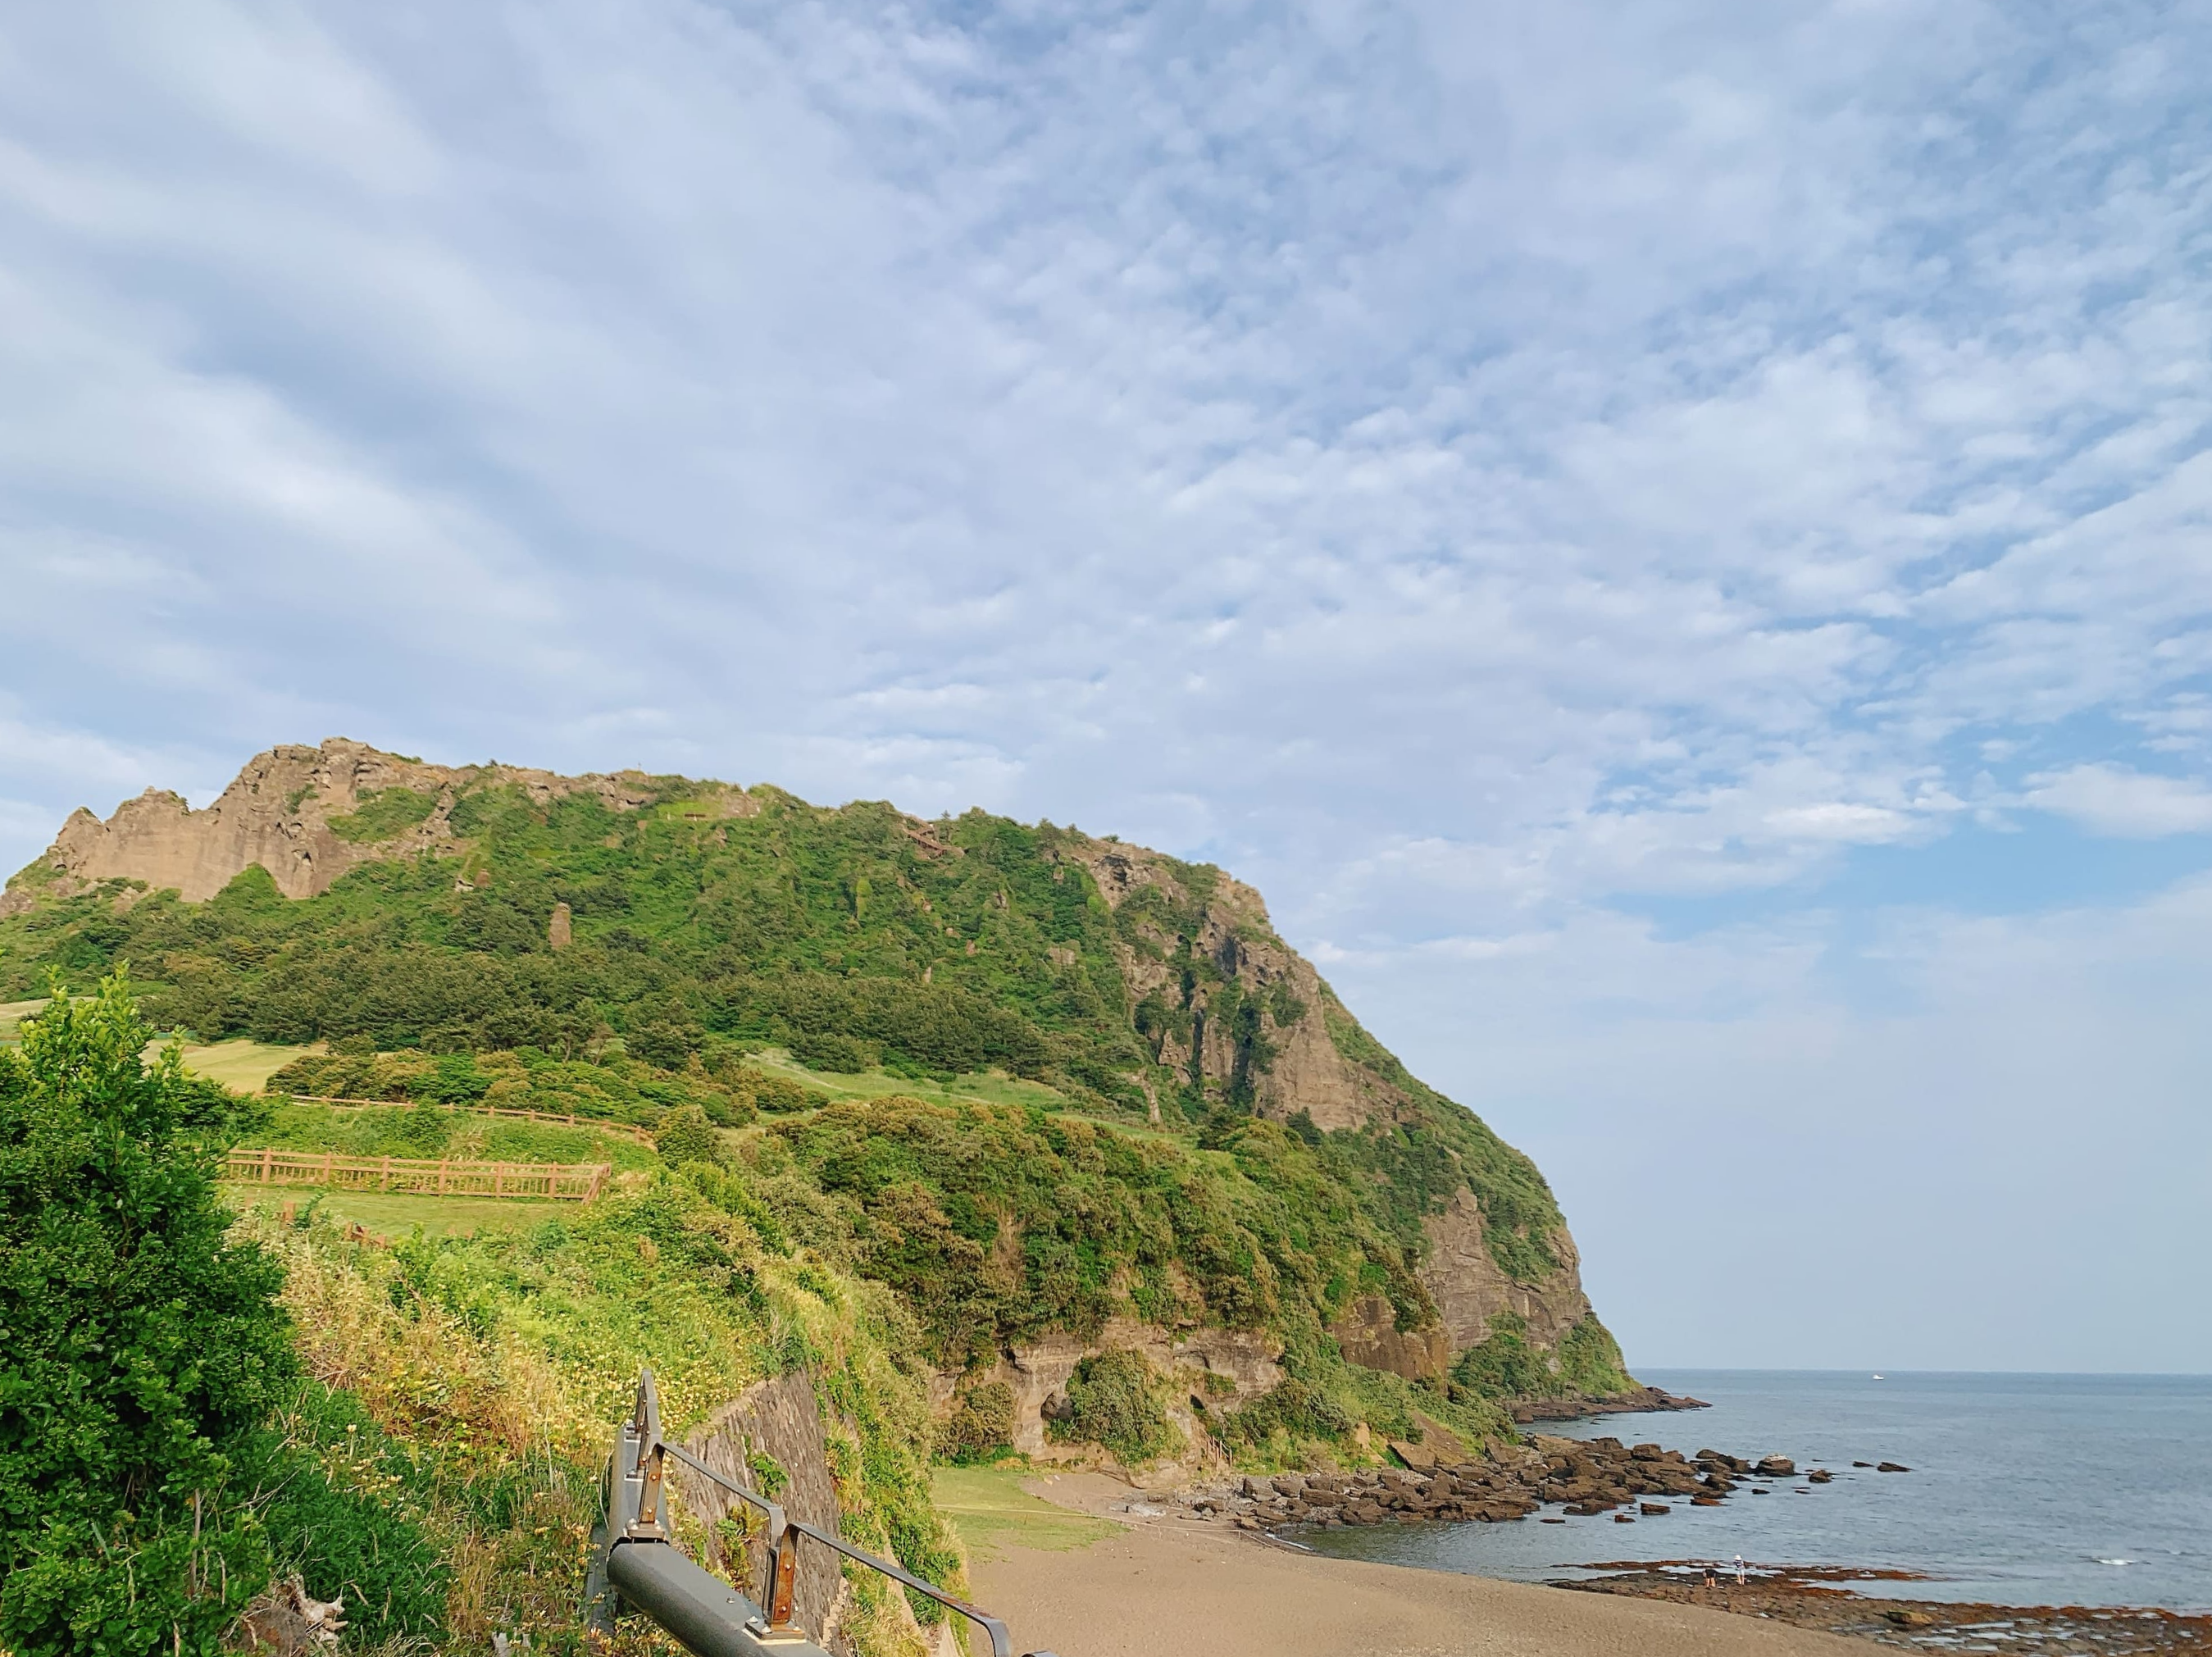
(1670, 540)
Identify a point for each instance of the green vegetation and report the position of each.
(494, 1363)
(852, 939)
(998, 1224)
(1113, 1399)
(145, 1353)
(426, 1131)
(1587, 1362)
(383, 816)
(611, 1088)
(981, 1426)
(908, 1053)
(992, 1511)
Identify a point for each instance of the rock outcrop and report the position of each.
(1233, 1366)
(1188, 916)
(298, 812)
(1470, 1288)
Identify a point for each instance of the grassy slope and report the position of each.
(495, 1366)
(991, 1511)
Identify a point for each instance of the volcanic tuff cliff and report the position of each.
(1146, 986)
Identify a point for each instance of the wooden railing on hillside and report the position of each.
(558, 1120)
(577, 1182)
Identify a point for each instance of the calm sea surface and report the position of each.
(2025, 1489)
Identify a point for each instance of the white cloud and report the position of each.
(1463, 466)
(2109, 799)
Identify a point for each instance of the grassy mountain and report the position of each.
(1128, 1098)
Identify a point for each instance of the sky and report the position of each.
(1672, 542)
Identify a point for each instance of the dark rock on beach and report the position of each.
(1819, 1599)
(1585, 1477)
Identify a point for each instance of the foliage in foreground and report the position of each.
(497, 1365)
(144, 1349)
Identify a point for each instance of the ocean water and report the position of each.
(2025, 1489)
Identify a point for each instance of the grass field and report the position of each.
(989, 1087)
(242, 1066)
(991, 1510)
(396, 1215)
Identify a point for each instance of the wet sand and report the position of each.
(1167, 1583)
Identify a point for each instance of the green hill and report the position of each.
(1035, 1081)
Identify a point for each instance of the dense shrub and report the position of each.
(1291, 1407)
(142, 1350)
(827, 1050)
(1113, 1400)
(980, 1424)
(686, 1136)
(1505, 1365)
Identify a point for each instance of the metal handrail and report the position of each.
(637, 1510)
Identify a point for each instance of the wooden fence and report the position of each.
(598, 1123)
(577, 1182)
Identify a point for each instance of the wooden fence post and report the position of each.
(441, 1176)
(267, 1156)
(384, 1182)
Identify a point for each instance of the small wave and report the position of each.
(2116, 1561)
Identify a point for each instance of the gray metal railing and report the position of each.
(636, 1565)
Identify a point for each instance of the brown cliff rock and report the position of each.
(278, 813)
(1469, 1288)
(1368, 1334)
(1243, 1359)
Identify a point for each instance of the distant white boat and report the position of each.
(1877, 1377)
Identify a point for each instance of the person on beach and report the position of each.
(1712, 1577)
(1739, 1570)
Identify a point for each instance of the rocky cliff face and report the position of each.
(1191, 945)
(298, 812)
(1225, 1006)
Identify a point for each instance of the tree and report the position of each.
(144, 1350)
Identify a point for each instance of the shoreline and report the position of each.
(1161, 1580)
(1157, 1567)
(1810, 1598)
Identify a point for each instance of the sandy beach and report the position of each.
(1167, 1582)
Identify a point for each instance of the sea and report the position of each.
(2024, 1489)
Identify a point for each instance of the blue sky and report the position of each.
(1671, 540)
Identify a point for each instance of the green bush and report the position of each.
(1290, 1406)
(687, 1136)
(1113, 1399)
(827, 1050)
(980, 1424)
(1589, 1360)
(384, 814)
(143, 1350)
(1505, 1366)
